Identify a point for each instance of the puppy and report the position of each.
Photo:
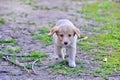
(65, 36)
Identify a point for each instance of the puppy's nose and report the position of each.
(65, 43)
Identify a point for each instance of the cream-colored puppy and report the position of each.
(65, 36)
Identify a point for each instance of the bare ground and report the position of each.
(22, 20)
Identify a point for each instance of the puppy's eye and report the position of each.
(61, 35)
(69, 35)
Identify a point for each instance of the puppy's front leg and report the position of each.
(72, 53)
(59, 52)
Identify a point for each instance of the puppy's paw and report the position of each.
(72, 64)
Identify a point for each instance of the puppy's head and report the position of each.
(65, 34)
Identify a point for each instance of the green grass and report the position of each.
(11, 51)
(30, 2)
(87, 45)
(33, 56)
(101, 11)
(42, 36)
(38, 54)
(11, 42)
(106, 44)
(64, 69)
(6, 50)
(28, 66)
(29, 59)
(8, 47)
(2, 21)
(31, 23)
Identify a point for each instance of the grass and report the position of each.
(30, 2)
(33, 56)
(11, 42)
(43, 37)
(7, 47)
(106, 44)
(101, 11)
(2, 21)
(87, 45)
(29, 59)
(11, 51)
(31, 23)
(64, 69)
(38, 54)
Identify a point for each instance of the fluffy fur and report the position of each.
(65, 36)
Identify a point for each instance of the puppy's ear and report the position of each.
(77, 31)
(52, 31)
